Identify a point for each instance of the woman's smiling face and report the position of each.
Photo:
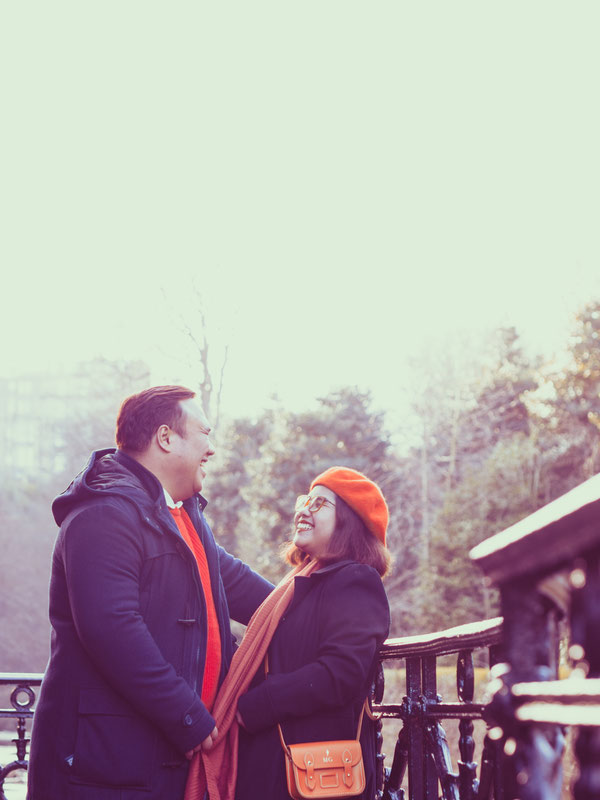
(313, 529)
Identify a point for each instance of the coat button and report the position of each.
(187, 720)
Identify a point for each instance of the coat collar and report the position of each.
(325, 570)
(302, 583)
(332, 567)
(113, 472)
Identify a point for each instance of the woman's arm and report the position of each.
(354, 621)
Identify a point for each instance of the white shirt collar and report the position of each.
(170, 502)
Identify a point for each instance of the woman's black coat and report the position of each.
(322, 662)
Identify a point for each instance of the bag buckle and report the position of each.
(309, 763)
(347, 761)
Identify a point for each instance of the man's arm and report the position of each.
(245, 589)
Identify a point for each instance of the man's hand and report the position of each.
(205, 745)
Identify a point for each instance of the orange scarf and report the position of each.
(216, 769)
(212, 661)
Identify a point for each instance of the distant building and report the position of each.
(49, 420)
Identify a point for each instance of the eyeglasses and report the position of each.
(311, 504)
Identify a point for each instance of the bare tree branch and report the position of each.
(220, 390)
(197, 336)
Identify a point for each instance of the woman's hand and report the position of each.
(240, 720)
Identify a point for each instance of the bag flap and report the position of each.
(326, 754)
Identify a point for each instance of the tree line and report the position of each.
(492, 437)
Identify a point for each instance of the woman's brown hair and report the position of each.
(351, 540)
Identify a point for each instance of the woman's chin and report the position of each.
(301, 546)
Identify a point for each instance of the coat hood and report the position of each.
(109, 471)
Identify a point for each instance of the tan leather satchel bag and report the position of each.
(325, 769)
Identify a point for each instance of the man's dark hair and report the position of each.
(142, 414)
(351, 539)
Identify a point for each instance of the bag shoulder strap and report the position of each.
(364, 708)
(362, 712)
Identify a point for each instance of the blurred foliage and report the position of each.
(90, 404)
(90, 425)
(229, 508)
(269, 462)
(493, 437)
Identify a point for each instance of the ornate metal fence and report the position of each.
(22, 699)
(546, 566)
(422, 747)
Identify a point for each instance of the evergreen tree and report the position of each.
(228, 477)
(343, 430)
(574, 424)
(494, 483)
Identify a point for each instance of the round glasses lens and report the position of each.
(316, 504)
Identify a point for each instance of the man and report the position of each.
(140, 601)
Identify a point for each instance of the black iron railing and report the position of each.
(22, 700)
(548, 566)
(421, 748)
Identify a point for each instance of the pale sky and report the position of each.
(346, 182)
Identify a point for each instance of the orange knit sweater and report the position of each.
(212, 663)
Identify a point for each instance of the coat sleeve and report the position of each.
(245, 589)
(103, 561)
(354, 620)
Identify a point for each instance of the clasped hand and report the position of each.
(205, 745)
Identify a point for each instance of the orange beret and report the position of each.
(362, 495)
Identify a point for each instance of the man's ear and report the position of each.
(164, 438)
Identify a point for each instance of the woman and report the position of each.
(321, 629)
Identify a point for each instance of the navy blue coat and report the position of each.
(120, 701)
(322, 662)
